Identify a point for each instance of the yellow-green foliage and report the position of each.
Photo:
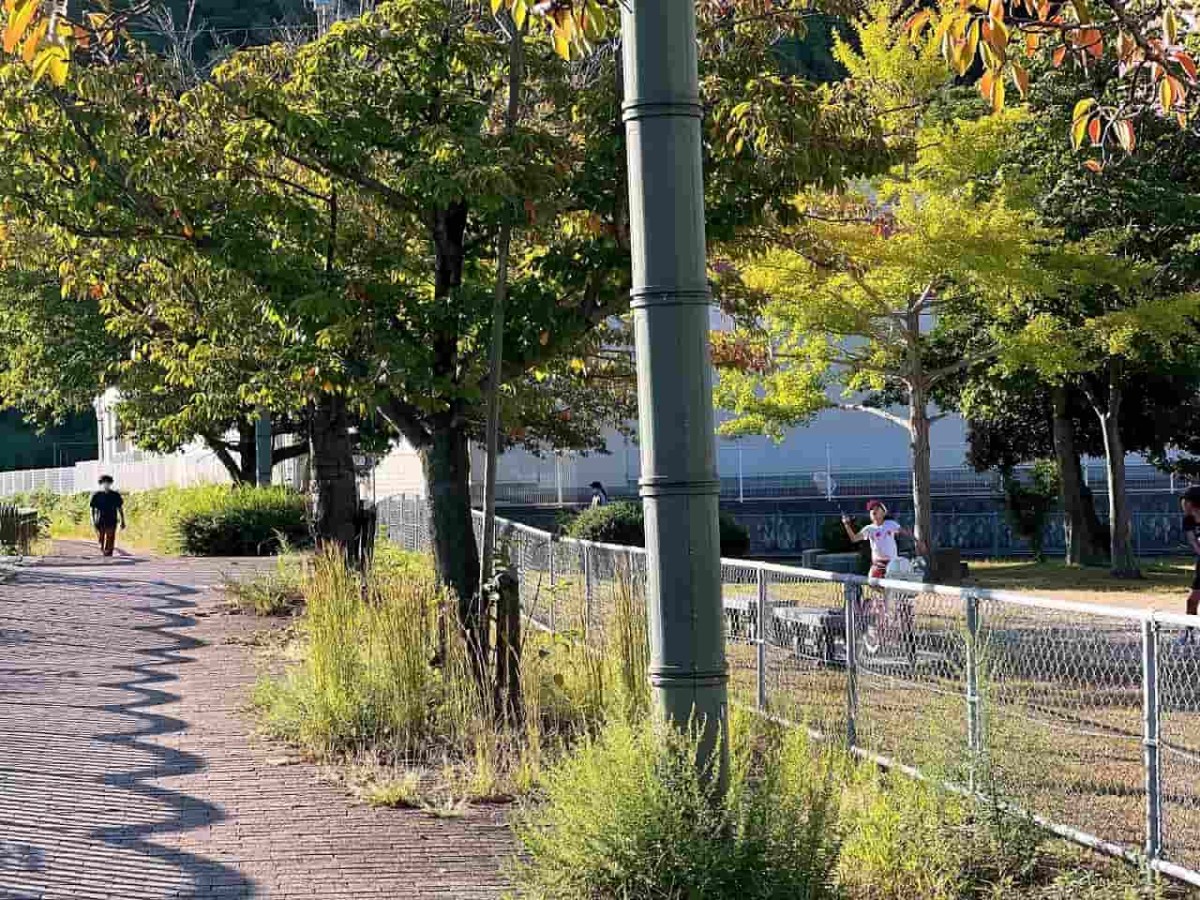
(846, 294)
(884, 65)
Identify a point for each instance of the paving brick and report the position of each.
(127, 767)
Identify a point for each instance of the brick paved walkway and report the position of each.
(126, 770)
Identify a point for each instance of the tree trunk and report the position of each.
(247, 454)
(336, 516)
(1079, 510)
(1124, 562)
(446, 460)
(918, 432)
(922, 480)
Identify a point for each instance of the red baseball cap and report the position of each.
(873, 504)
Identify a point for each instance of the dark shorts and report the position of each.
(1196, 577)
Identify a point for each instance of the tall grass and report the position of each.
(630, 815)
(366, 685)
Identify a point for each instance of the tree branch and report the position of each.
(966, 362)
(406, 420)
(221, 452)
(875, 411)
(292, 451)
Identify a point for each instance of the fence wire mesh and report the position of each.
(1084, 716)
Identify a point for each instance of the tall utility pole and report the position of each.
(671, 301)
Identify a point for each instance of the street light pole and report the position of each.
(671, 301)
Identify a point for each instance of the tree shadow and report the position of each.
(123, 815)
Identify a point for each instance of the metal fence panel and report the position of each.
(1085, 716)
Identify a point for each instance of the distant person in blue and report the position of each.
(1191, 533)
(108, 510)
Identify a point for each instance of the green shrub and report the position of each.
(239, 522)
(624, 522)
(628, 815)
(1028, 507)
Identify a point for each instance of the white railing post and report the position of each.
(1150, 737)
(851, 592)
(761, 632)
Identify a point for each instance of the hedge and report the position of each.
(624, 522)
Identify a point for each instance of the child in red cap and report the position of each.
(882, 533)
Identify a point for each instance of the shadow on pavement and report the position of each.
(111, 826)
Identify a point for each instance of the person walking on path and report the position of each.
(1190, 501)
(881, 533)
(108, 509)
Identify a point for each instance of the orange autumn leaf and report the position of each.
(1021, 79)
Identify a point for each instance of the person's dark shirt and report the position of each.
(105, 507)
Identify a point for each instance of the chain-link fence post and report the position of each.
(851, 592)
(587, 591)
(974, 713)
(551, 576)
(1150, 720)
(762, 637)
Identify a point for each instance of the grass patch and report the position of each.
(276, 593)
(1165, 585)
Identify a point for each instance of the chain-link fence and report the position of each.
(1085, 716)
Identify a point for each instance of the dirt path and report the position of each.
(127, 770)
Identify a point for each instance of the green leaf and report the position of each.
(1079, 120)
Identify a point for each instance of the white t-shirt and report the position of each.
(883, 539)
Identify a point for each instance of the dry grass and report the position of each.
(1165, 584)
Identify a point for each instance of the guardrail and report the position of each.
(1087, 716)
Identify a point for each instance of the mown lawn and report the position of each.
(1164, 586)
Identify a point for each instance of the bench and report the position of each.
(809, 631)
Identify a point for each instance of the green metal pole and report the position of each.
(262, 445)
(671, 303)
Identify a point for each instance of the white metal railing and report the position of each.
(1085, 715)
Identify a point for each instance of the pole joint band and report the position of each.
(658, 297)
(656, 487)
(671, 676)
(633, 110)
